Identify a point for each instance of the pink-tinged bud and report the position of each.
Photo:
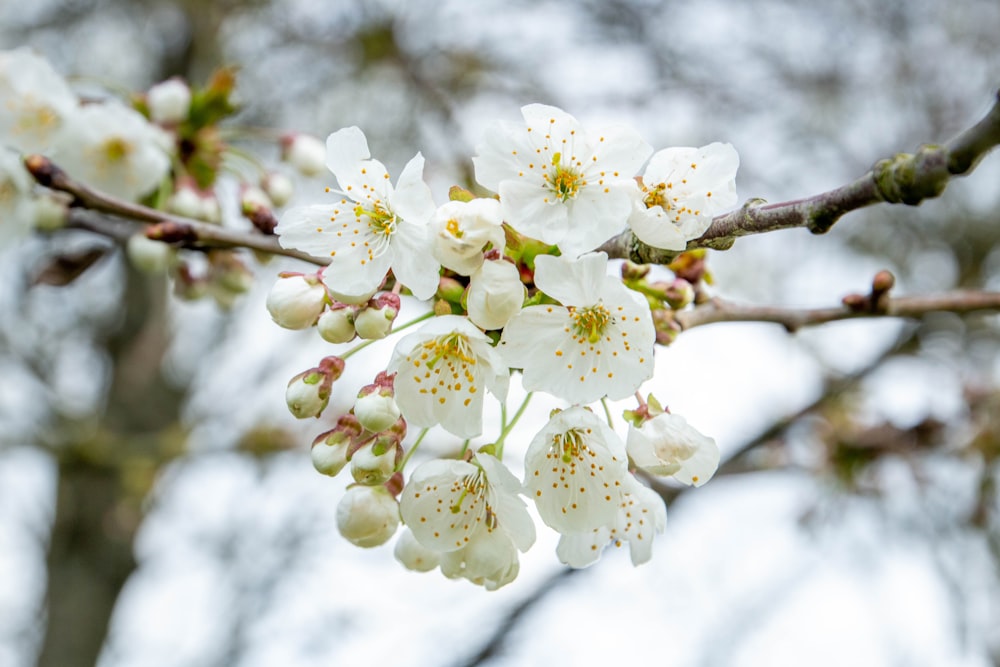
(633, 272)
(374, 463)
(375, 321)
(187, 285)
(278, 187)
(367, 516)
(309, 392)
(169, 102)
(666, 327)
(296, 301)
(679, 294)
(306, 153)
(230, 273)
(376, 407)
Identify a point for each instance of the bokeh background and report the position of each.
(157, 503)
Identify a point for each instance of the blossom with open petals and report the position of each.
(372, 227)
(641, 515)
(598, 343)
(447, 502)
(115, 149)
(443, 370)
(574, 471)
(667, 445)
(558, 182)
(681, 191)
(461, 231)
(36, 101)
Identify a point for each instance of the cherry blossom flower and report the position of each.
(36, 101)
(667, 445)
(443, 371)
(114, 149)
(169, 101)
(641, 515)
(559, 183)
(489, 560)
(574, 470)
(461, 231)
(367, 516)
(372, 227)
(598, 343)
(682, 190)
(450, 505)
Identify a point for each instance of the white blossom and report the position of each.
(113, 149)
(36, 101)
(461, 230)
(448, 504)
(489, 560)
(496, 294)
(574, 471)
(559, 183)
(641, 515)
(372, 227)
(367, 516)
(682, 190)
(443, 371)
(667, 445)
(598, 343)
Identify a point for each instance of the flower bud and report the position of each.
(306, 153)
(376, 407)
(373, 465)
(185, 201)
(450, 289)
(253, 199)
(279, 188)
(413, 555)
(367, 516)
(632, 271)
(667, 328)
(50, 212)
(229, 272)
(375, 321)
(461, 231)
(296, 301)
(309, 392)
(495, 294)
(329, 452)
(169, 102)
(147, 255)
(337, 325)
(679, 294)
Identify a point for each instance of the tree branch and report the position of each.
(173, 229)
(903, 179)
(959, 301)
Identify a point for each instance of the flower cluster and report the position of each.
(516, 284)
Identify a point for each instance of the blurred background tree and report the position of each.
(145, 449)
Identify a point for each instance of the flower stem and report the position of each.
(413, 448)
(607, 412)
(509, 426)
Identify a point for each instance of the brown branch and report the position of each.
(958, 301)
(903, 179)
(170, 228)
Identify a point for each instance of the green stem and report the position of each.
(357, 348)
(510, 425)
(607, 412)
(413, 448)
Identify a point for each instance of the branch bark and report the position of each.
(719, 310)
(903, 179)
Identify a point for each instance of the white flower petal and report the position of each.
(345, 148)
(412, 199)
(572, 283)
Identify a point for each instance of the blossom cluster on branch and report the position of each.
(516, 288)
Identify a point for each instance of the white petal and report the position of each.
(530, 208)
(412, 200)
(620, 149)
(412, 262)
(438, 508)
(344, 149)
(596, 215)
(572, 283)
